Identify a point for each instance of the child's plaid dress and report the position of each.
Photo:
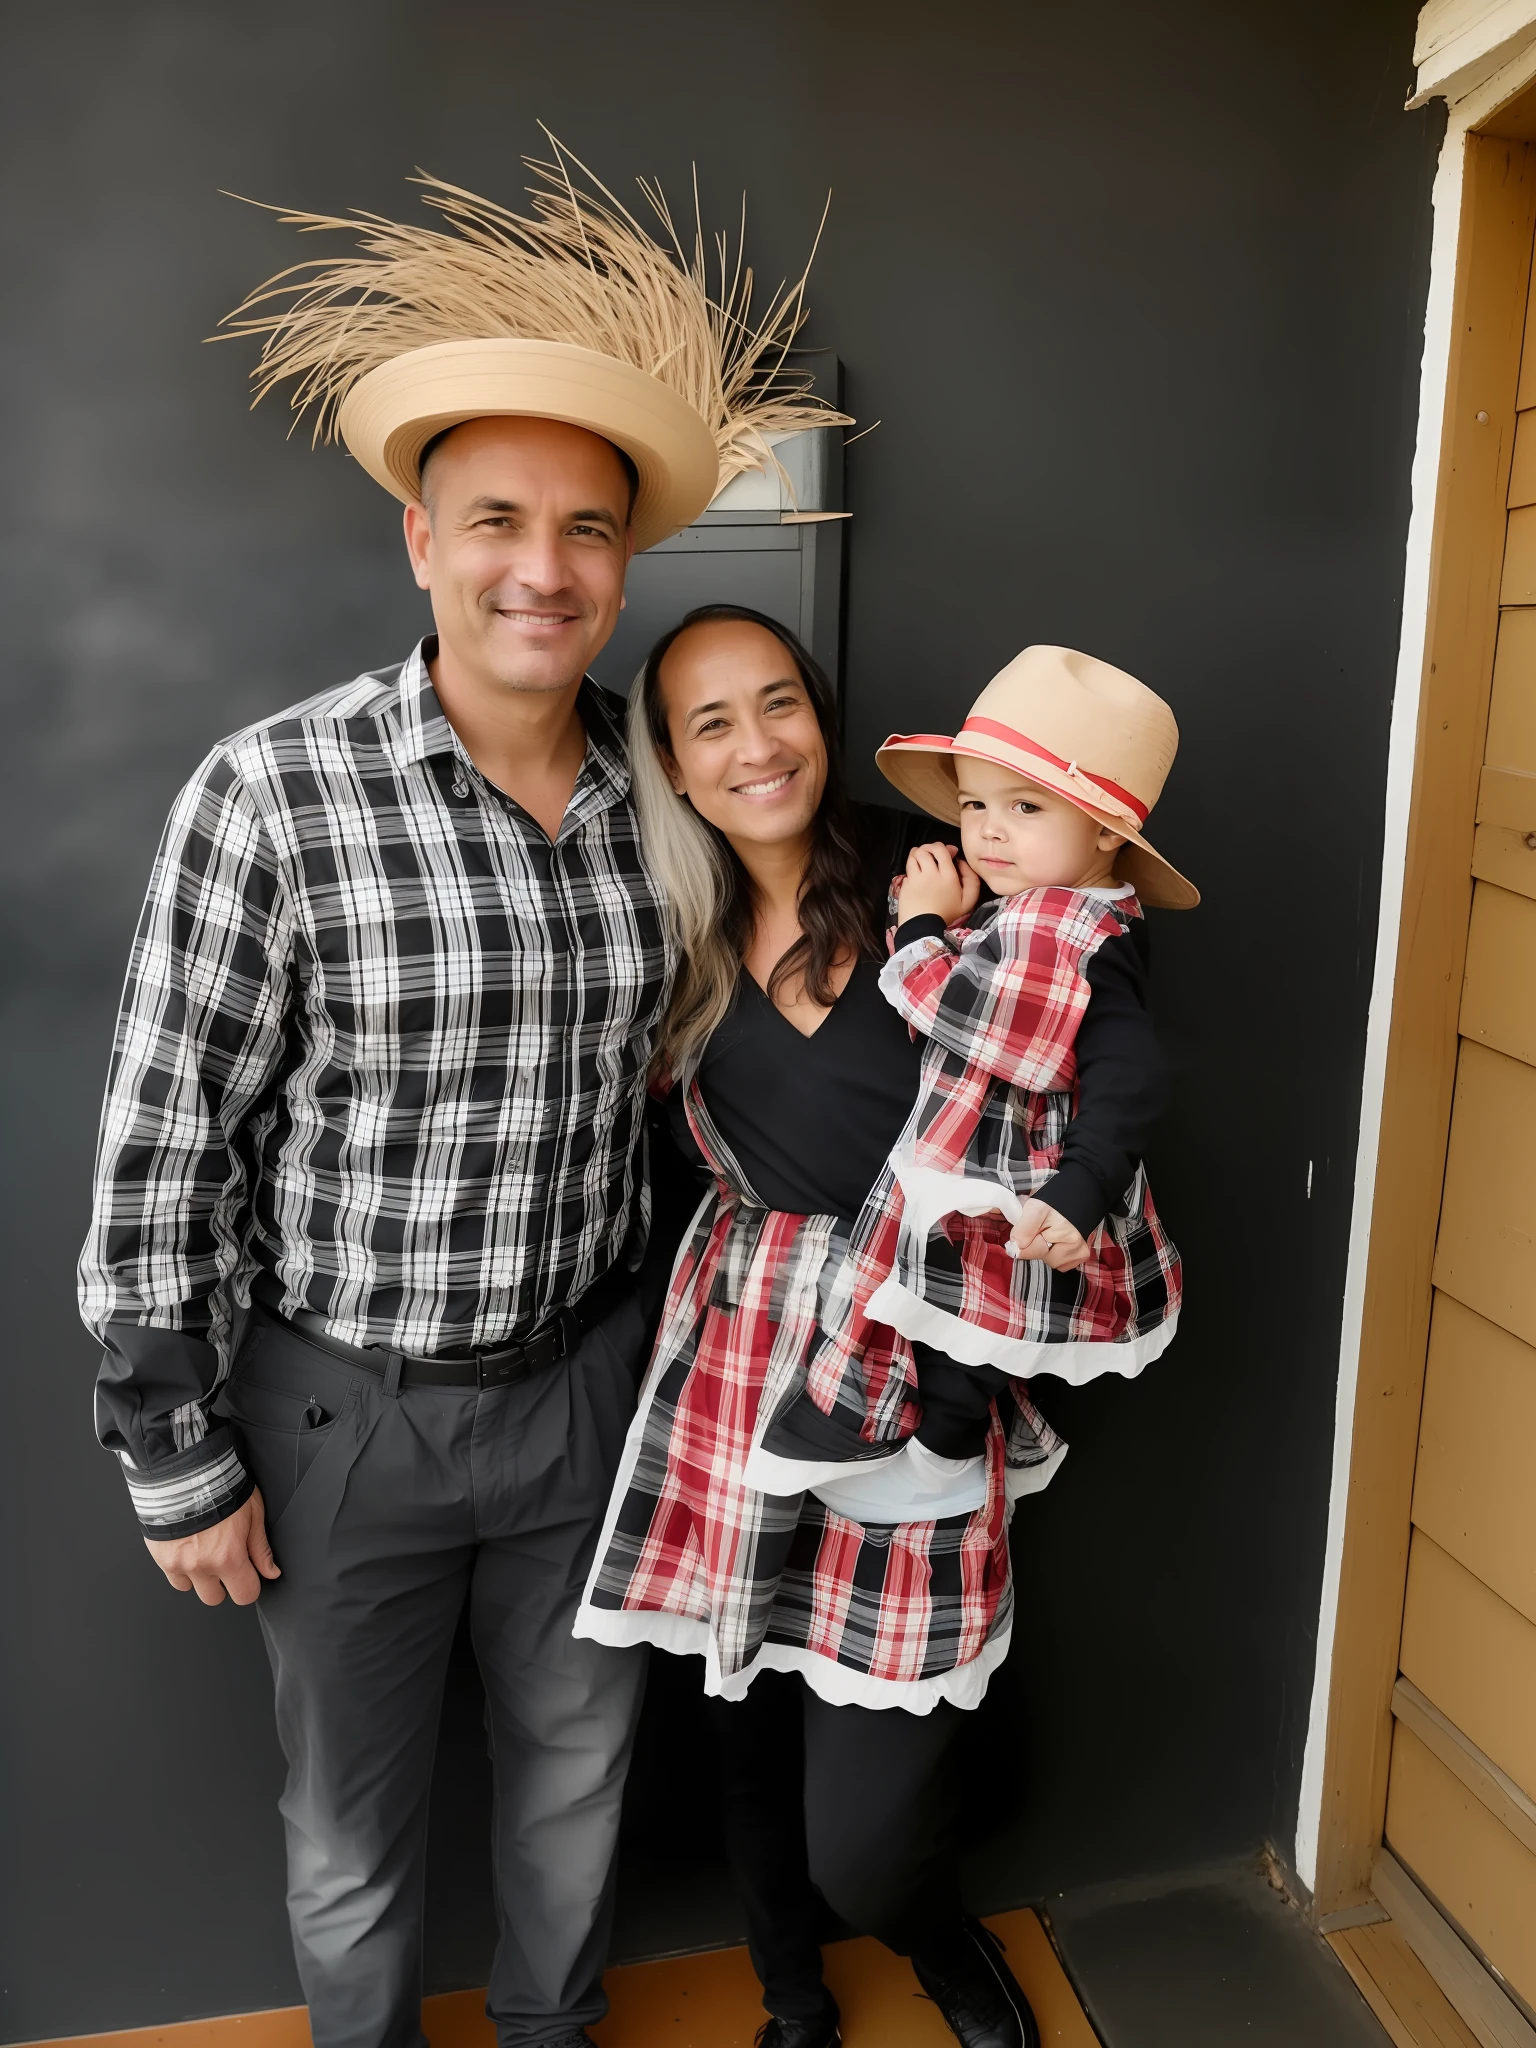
(999, 1005)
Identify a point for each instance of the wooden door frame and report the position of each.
(1486, 219)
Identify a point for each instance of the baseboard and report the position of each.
(1420, 1979)
(1396, 1986)
(1463, 1975)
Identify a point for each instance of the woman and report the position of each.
(839, 1656)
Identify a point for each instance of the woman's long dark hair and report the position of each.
(695, 860)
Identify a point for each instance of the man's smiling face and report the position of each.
(522, 539)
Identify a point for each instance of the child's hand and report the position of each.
(937, 885)
(1041, 1234)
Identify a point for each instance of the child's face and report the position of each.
(1019, 836)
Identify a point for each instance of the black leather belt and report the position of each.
(502, 1366)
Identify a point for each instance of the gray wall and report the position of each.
(1137, 294)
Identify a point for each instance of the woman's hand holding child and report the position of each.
(1041, 1233)
(938, 885)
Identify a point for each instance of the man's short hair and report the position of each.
(632, 475)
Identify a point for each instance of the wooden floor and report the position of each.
(1399, 1990)
(719, 2006)
(713, 2000)
(701, 2001)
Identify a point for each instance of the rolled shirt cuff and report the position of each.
(198, 1487)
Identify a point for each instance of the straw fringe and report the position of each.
(578, 268)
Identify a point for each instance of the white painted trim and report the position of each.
(1474, 107)
(1444, 21)
(1464, 46)
(1400, 758)
(1460, 59)
(1478, 100)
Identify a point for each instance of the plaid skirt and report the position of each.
(692, 1560)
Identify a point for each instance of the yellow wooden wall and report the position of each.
(1461, 1803)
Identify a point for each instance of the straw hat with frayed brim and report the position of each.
(389, 416)
(1073, 725)
(570, 310)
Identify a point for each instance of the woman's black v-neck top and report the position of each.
(811, 1120)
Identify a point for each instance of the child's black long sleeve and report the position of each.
(1122, 1082)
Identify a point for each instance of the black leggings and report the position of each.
(957, 1403)
(871, 1835)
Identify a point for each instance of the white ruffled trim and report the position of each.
(686, 1635)
(929, 1195)
(895, 967)
(1025, 1358)
(767, 1472)
(856, 1499)
(917, 1485)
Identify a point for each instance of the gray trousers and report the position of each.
(385, 1514)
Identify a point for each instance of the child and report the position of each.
(1007, 1236)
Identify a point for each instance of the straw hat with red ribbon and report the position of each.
(1072, 725)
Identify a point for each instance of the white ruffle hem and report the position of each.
(963, 1686)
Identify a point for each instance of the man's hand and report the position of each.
(233, 1554)
(937, 885)
(1041, 1234)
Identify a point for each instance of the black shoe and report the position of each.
(975, 1990)
(823, 2033)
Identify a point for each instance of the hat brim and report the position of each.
(922, 767)
(389, 416)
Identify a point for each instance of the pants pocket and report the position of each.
(283, 1413)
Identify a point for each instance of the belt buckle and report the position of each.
(545, 1347)
(504, 1369)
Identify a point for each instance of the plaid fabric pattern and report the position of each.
(768, 1579)
(380, 1039)
(999, 1005)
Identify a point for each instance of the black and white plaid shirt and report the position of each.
(380, 1039)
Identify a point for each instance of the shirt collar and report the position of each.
(419, 728)
(418, 725)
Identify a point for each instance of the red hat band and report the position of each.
(1118, 798)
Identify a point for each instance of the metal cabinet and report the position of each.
(779, 550)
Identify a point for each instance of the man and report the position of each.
(378, 1082)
